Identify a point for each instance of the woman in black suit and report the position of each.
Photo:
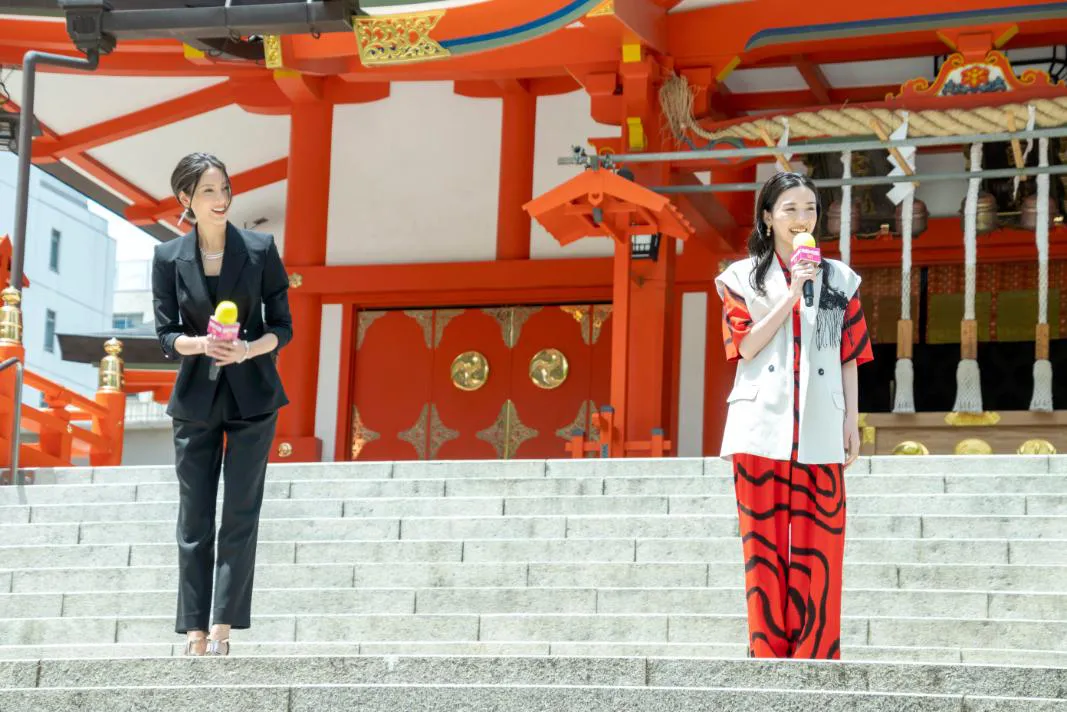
(213, 262)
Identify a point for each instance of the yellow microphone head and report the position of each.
(803, 239)
(226, 313)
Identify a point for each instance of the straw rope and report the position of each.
(676, 99)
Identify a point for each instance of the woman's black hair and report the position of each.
(187, 174)
(832, 302)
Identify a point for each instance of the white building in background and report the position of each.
(70, 262)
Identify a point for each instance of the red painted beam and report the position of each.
(48, 149)
(715, 225)
(145, 213)
(814, 78)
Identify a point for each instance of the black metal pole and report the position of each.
(25, 146)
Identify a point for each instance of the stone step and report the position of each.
(590, 600)
(427, 506)
(623, 672)
(991, 551)
(578, 628)
(963, 577)
(677, 526)
(356, 488)
(733, 650)
(499, 698)
(668, 467)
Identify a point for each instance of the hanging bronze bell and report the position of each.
(920, 216)
(1028, 218)
(985, 214)
(833, 219)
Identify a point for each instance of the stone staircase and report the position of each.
(594, 585)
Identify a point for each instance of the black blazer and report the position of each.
(254, 279)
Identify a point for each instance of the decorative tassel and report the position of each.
(968, 387)
(904, 400)
(1042, 400)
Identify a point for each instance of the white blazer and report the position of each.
(759, 420)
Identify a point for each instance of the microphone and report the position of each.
(222, 326)
(804, 250)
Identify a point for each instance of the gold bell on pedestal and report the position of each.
(11, 316)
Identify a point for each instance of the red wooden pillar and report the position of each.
(517, 128)
(647, 364)
(306, 211)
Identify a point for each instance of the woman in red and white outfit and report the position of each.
(792, 426)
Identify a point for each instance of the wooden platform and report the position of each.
(962, 433)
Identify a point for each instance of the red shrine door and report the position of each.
(492, 383)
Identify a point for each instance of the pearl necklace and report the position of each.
(211, 256)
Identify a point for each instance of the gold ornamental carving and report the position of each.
(296, 280)
(272, 51)
(508, 433)
(973, 446)
(285, 450)
(428, 433)
(366, 318)
(590, 320)
(361, 434)
(580, 422)
(1037, 446)
(511, 321)
(549, 369)
(441, 318)
(439, 432)
(470, 371)
(397, 39)
(416, 434)
(424, 318)
(433, 323)
(910, 447)
(963, 420)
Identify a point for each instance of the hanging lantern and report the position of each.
(919, 218)
(1028, 219)
(833, 218)
(985, 216)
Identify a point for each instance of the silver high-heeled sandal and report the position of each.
(218, 647)
(193, 646)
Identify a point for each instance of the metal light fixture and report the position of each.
(9, 130)
(9, 123)
(645, 247)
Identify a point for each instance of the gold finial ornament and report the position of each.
(470, 371)
(1036, 446)
(272, 51)
(112, 374)
(549, 369)
(11, 316)
(973, 446)
(910, 447)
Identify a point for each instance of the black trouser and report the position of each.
(199, 457)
